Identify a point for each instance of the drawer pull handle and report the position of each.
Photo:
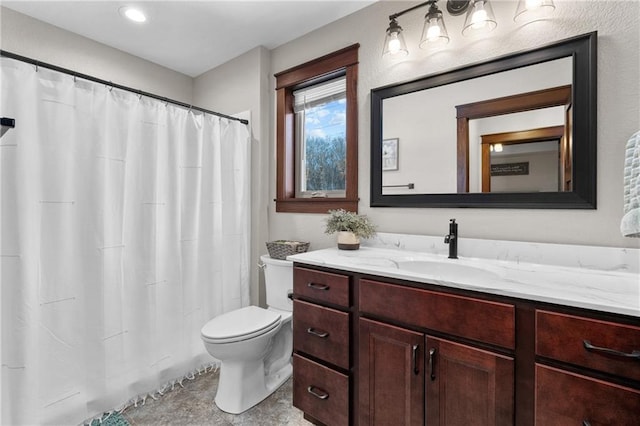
(318, 393)
(588, 346)
(432, 363)
(415, 359)
(318, 286)
(322, 334)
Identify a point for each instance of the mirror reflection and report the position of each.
(524, 167)
(517, 131)
(424, 123)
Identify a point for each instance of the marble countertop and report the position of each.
(614, 290)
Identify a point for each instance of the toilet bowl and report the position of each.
(254, 344)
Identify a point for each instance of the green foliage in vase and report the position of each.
(342, 220)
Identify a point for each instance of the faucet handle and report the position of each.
(452, 220)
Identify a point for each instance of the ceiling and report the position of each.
(190, 37)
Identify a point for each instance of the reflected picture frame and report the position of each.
(390, 154)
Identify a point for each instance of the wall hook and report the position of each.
(7, 123)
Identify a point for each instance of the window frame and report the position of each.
(343, 61)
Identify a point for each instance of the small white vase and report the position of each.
(348, 241)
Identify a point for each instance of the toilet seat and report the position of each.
(241, 324)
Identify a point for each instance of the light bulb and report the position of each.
(434, 31)
(498, 147)
(479, 19)
(394, 44)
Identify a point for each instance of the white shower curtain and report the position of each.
(125, 227)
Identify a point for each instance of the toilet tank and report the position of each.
(278, 281)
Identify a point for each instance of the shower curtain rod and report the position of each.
(117, 86)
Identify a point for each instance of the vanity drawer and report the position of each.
(320, 392)
(321, 332)
(481, 320)
(564, 398)
(562, 337)
(321, 286)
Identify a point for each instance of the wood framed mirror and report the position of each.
(439, 120)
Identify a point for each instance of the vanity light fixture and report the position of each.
(394, 44)
(434, 31)
(496, 147)
(479, 19)
(533, 10)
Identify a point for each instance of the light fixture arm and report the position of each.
(399, 14)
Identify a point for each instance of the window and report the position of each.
(317, 135)
(321, 139)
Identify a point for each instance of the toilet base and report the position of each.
(255, 386)
(252, 369)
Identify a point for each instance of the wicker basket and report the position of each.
(280, 249)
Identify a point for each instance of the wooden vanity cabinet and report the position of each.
(321, 346)
(582, 369)
(415, 377)
(402, 353)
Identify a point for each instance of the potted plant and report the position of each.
(350, 228)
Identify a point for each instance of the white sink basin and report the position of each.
(447, 270)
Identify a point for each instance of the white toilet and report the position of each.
(253, 344)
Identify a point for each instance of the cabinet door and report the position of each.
(467, 386)
(391, 379)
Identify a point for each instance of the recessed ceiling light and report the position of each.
(132, 13)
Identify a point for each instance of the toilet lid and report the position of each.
(240, 324)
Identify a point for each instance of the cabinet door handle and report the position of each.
(414, 355)
(318, 286)
(317, 333)
(432, 363)
(588, 346)
(586, 423)
(317, 392)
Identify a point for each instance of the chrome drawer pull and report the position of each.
(314, 391)
(588, 346)
(318, 286)
(321, 334)
(432, 363)
(415, 359)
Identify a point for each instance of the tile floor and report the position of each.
(193, 406)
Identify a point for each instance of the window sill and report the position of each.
(315, 205)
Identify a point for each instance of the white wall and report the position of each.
(25, 36)
(617, 23)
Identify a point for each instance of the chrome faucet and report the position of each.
(452, 239)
